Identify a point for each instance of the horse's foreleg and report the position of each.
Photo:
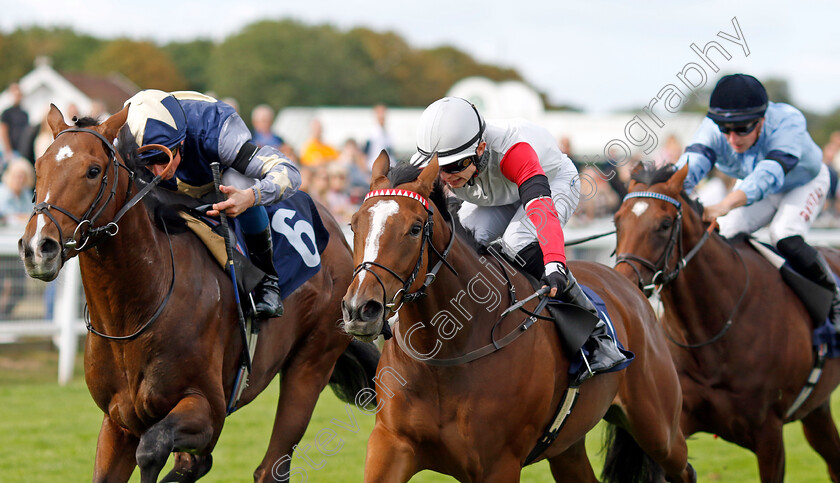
(189, 426)
(770, 450)
(389, 459)
(822, 435)
(114, 453)
(301, 384)
(573, 464)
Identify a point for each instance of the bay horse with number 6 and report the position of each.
(477, 418)
(165, 386)
(741, 337)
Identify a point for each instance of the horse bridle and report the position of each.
(111, 228)
(660, 275)
(428, 231)
(85, 231)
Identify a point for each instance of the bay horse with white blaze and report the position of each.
(165, 386)
(742, 338)
(460, 406)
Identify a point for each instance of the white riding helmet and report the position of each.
(451, 127)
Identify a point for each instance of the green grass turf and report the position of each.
(48, 433)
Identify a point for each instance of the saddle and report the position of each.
(816, 298)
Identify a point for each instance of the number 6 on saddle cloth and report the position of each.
(297, 233)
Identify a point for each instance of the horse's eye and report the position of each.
(666, 224)
(93, 172)
(416, 229)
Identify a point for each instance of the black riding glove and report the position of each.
(555, 277)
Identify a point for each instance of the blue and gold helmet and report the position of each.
(156, 117)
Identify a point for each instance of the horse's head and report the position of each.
(390, 233)
(76, 181)
(650, 223)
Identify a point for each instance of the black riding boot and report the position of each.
(603, 351)
(806, 260)
(266, 294)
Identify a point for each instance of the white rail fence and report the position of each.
(35, 313)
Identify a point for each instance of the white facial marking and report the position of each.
(379, 213)
(40, 221)
(63, 153)
(640, 207)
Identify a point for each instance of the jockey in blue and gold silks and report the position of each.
(201, 130)
(782, 179)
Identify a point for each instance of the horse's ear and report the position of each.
(675, 184)
(428, 176)
(55, 119)
(111, 127)
(379, 173)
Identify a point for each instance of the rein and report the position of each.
(660, 275)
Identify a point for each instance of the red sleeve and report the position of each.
(544, 216)
(520, 162)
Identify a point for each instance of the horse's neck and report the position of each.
(702, 298)
(460, 310)
(121, 269)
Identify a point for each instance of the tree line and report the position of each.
(281, 63)
(288, 63)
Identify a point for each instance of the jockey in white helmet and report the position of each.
(516, 184)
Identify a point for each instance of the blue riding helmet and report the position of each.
(156, 117)
(737, 98)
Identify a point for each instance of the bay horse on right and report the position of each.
(741, 338)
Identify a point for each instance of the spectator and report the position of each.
(232, 102)
(15, 207)
(831, 151)
(14, 122)
(316, 152)
(358, 175)
(338, 201)
(319, 184)
(262, 117)
(16, 192)
(43, 139)
(598, 199)
(379, 138)
(670, 151)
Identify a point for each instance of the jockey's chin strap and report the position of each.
(85, 231)
(431, 275)
(661, 275)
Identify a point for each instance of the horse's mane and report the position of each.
(649, 174)
(405, 172)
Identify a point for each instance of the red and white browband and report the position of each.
(396, 192)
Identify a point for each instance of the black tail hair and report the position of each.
(625, 461)
(354, 371)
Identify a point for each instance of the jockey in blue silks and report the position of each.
(201, 130)
(783, 181)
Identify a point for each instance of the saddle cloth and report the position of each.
(298, 237)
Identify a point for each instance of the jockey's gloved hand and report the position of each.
(555, 277)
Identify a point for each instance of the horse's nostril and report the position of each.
(23, 249)
(371, 311)
(48, 248)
